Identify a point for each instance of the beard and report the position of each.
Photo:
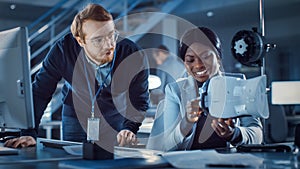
(108, 56)
(100, 59)
(107, 59)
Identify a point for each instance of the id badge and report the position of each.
(93, 129)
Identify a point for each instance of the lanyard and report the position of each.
(93, 98)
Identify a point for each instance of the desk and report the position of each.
(45, 157)
(35, 157)
(232, 159)
(279, 160)
(41, 157)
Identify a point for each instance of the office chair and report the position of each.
(157, 131)
(275, 131)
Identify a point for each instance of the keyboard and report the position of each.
(264, 148)
(58, 143)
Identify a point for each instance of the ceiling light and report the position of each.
(12, 6)
(209, 14)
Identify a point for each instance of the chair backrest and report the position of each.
(238, 75)
(275, 131)
(157, 132)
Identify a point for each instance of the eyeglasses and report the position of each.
(98, 42)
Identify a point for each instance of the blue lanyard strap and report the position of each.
(93, 98)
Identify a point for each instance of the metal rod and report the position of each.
(262, 30)
(262, 68)
(48, 13)
(125, 24)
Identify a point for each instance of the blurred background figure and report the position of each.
(168, 68)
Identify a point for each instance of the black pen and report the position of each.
(227, 165)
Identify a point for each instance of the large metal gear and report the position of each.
(248, 48)
(240, 47)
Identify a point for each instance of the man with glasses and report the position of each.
(105, 92)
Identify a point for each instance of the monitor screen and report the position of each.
(16, 101)
(285, 92)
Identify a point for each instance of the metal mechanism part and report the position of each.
(240, 46)
(248, 47)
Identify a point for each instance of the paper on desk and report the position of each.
(202, 158)
(125, 152)
(119, 152)
(74, 149)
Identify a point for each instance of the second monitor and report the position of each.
(16, 100)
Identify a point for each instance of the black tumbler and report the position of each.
(91, 151)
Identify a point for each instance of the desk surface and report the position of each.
(45, 157)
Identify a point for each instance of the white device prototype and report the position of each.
(229, 97)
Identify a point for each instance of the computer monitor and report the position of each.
(16, 101)
(285, 92)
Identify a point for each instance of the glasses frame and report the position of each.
(98, 42)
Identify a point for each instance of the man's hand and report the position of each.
(23, 141)
(126, 138)
(223, 127)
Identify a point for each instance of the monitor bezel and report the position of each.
(11, 117)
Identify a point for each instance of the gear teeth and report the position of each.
(240, 47)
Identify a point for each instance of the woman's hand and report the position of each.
(23, 141)
(223, 127)
(193, 110)
(126, 138)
